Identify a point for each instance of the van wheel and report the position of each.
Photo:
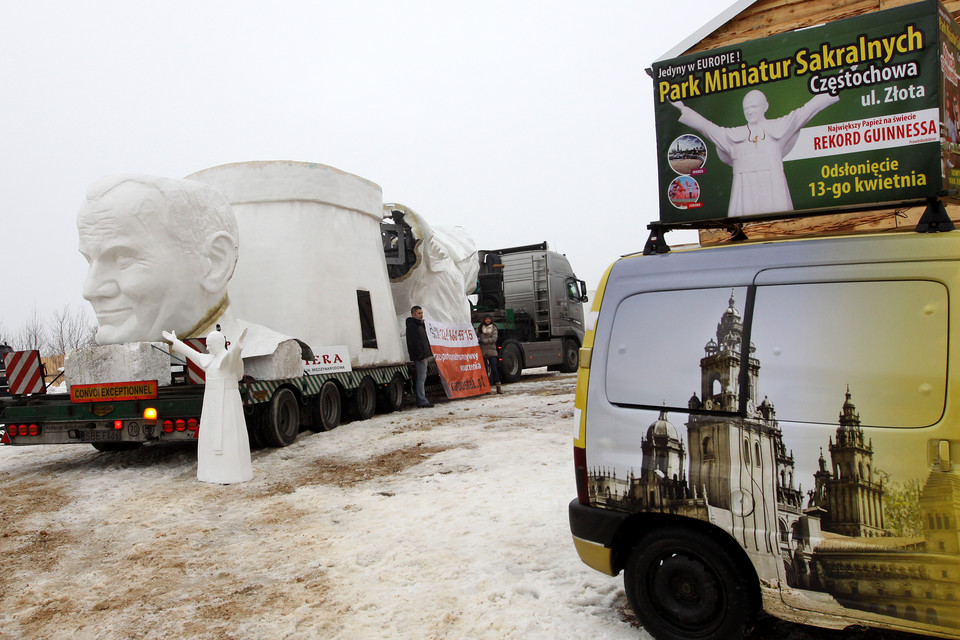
(364, 399)
(511, 364)
(283, 419)
(326, 408)
(390, 398)
(682, 584)
(571, 356)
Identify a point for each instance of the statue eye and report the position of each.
(124, 259)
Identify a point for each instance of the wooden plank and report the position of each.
(886, 220)
(771, 17)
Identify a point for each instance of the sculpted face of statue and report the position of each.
(754, 106)
(158, 258)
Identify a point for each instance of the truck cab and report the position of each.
(536, 301)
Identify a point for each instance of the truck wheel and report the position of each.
(511, 363)
(682, 584)
(326, 408)
(390, 398)
(283, 423)
(571, 356)
(116, 446)
(364, 401)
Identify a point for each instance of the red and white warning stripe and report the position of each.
(195, 374)
(24, 372)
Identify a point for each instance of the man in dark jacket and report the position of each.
(418, 346)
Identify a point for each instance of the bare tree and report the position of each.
(70, 328)
(32, 334)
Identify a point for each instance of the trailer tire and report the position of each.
(109, 447)
(326, 408)
(283, 419)
(390, 398)
(255, 417)
(571, 356)
(364, 399)
(511, 363)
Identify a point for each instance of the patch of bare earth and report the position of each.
(178, 562)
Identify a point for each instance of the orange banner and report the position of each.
(457, 353)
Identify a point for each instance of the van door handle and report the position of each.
(944, 451)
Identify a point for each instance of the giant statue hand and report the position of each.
(169, 336)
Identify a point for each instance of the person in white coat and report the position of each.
(223, 450)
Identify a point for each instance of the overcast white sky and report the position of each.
(519, 120)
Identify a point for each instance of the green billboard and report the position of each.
(845, 115)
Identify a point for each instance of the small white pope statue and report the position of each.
(223, 450)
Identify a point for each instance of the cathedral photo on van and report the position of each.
(831, 541)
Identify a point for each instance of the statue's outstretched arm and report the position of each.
(184, 349)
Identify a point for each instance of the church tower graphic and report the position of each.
(851, 495)
(730, 455)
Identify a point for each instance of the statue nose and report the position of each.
(99, 283)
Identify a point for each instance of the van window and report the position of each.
(880, 345)
(677, 350)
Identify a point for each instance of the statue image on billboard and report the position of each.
(756, 150)
(161, 252)
(223, 447)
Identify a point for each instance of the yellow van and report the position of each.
(771, 425)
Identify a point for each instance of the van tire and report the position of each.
(571, 356)
(326, 408)
(283, 419)
(683, 584)
(511, 363)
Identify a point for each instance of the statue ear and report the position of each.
(220, 259)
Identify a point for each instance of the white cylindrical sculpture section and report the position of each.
(311, 256)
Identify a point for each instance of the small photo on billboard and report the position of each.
(687, 154)
(684, 192)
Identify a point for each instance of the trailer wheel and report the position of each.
(390, 398)
(364, 400)
(108, 447)
(511, 363)
(256, 417)
(283, 423)
(326, 408)
(571, 356)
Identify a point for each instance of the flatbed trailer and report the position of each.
(276, 410)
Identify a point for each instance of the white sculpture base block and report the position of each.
(118, 363)
(285, 362)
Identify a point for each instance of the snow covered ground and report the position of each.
(448, 522)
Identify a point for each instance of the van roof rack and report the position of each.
(934, 219)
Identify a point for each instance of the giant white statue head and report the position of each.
(161, 252)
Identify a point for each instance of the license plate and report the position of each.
(99, 436)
